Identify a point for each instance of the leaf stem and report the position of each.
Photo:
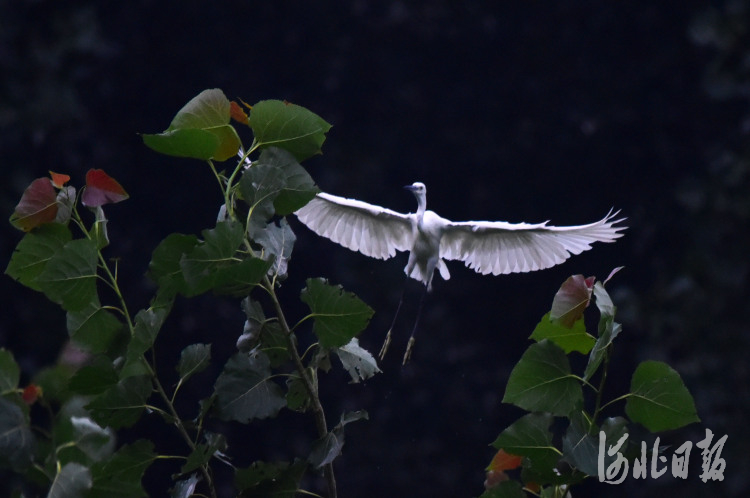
(181, 429)
(312, 391)
(581, 380)
(224, 190)
(152, 370)
(605, 367)
(240, 165)
(111, 278)
(619, 398)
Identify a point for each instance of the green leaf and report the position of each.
(99, 228)
(185, 488)
(245, 390)
(263, 332)
(196, 144)
(16, 439)
(603, 301)
(148, 322)
(122, 404)
(263, 479)
(530, 437)
(66, 199)
(505, 489)
(207, 109)
(338, 315)
(69, 278)
(259, 186)
(239, 279)
(218, 246)
(357, 361)
(573, 338)
(277, 243)
(120, 476)
(165, 269)
(212, 264)
(193, 359)
(297, 397)
(34, 251)
(72, 481)
(608, 330)
(200, 130)
(288, 126)
(215, 443)
(581, 441)
(10, 374)
(96, 442)
(254, 324)
(275, 183)
(94, 379)
(54, 382)
(326, 449)
(93, 328)
(542, 381)
(299, 187)
(321, 360)
(659, 400)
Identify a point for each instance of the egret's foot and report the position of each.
(407, 353)
(386, 343)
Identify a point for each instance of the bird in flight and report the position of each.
(486, 247)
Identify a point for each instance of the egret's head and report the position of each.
(420, 192)
(417, 188)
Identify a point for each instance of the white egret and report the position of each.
(486, 247)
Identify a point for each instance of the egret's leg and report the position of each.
(410, 344)
(387, 341)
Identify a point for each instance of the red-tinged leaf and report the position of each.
(58, 179)
(31, 393)
(494, 478)
(504, 461)
(102, 189)
(533, 487)
(38, 205)
(570, 301)
(237, 113)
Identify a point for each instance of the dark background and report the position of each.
(521, 112)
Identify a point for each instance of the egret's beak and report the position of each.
(410, 187)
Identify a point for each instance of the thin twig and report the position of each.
(312, 391)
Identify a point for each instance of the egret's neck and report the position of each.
(421, 205)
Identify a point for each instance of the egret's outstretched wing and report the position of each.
(372, 230)
(499, 247)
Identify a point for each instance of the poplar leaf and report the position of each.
(200, 130)
(338, 315)
(659, 400)
(288, 126)
(245, 390)
(38, 205)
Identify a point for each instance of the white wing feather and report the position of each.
(372, 230)
(497, 247)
